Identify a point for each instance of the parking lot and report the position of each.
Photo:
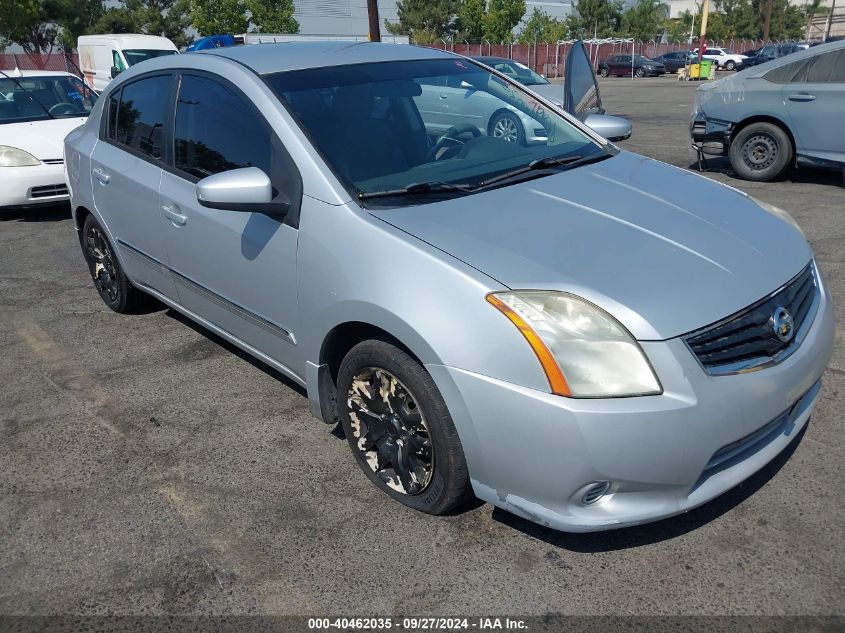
(147, 467)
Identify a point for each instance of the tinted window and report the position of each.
(141, 115)
(788, 73)
(827, 68)
(217, 130)
(114, 100)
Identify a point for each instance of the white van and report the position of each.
(103, 57)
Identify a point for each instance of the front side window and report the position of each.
(381, 126)
(217, 131)
(44, 97)
(141, 114)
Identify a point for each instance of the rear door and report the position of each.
(126, 169)
(815, 101)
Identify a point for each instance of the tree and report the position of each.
(600, 17)
(168, 18)
(75, 18)
(272, 16)
(502, 18)
(541, 27)
(426, 21)
(210, 17)
(29, 24)
(644, 21)
(471, 19)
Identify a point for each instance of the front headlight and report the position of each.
(584, 351)
(777, 212)
(14, 157)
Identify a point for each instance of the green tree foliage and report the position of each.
(211, 17)
(272, 16)
(541, 27)
(599, 17)
(168, 18)
(644, 21)
(75, 18)
(426, 21)
(471, 20)
(30, 24)
(502, 18)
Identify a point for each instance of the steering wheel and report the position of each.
(62, 108)
(450, 138)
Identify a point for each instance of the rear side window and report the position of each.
(216, 130)
(141, 113)
(827, 68)
(794, 72)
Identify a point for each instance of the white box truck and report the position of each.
(103, 57)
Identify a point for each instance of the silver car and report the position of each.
(769, 117)
(585, 337)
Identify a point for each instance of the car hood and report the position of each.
(552, 92)
(42, 139)
(666, 251)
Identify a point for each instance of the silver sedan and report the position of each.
(585, 337)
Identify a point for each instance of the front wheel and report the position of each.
(604, 72)
(399, 428)
(508, 127)
(761, 152)
(730, 65)
(639, 72)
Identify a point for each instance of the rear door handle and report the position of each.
(100, 175)
(172, 213)
(801, 96)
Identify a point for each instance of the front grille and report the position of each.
(747, 339)
(53, 161)
(47, 191)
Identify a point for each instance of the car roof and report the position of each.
(36, 73)
(125, 40)
(286, 56)
(804, 53)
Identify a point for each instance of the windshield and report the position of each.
(387, 126)
(47, 97)
(516, 71)
(133, 56)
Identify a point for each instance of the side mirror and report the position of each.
(613, 128)
(245, 189)
(114, 72)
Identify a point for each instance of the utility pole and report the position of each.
(702, 42)
(375, 26)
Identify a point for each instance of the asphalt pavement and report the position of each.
(147, 467)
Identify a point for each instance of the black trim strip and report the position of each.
(273, 328)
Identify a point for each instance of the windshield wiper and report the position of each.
(569, 162)
(25, 91)
(414, 189)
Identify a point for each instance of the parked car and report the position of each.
(37, 110)
(559, 328)
(588, 109)
(751, 52)
(103, 57)
(773, 51)
(770, 117)
(622, 66)
(724, 58)
(675, 60)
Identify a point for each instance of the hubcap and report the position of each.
(759, 152)
(390, 431)
(101, 263)
(506, 128)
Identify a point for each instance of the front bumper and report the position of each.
(33, 186)
(710, 136)
(533, 453)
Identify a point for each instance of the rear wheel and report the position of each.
(111, 282)
(603, 71)
(760, 151)
(399, 428)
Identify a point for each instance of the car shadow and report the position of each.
(650, 533)
(52, 213)
(810, 176)
(237, 351)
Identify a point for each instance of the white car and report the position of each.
(723, 57)
(37, 110)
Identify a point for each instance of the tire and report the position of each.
(760, 152)
(507, 126)
(639, 72)
(114, 288)
(730, 65)
(604, 72)
(407, 411)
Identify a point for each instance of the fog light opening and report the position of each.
(594, 492)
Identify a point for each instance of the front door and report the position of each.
(126, 170)
(235, 269)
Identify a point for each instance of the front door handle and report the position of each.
(100, 175)
(443, 96)
(173, 214)
(801, 96)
